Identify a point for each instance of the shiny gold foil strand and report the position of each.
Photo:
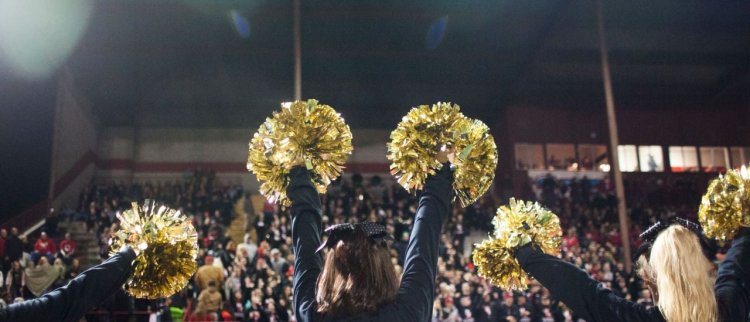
(476, 160)
(424, 130)
(167, 246)
(725, 207)
(415, 142)
(302, 131)
(516, 224)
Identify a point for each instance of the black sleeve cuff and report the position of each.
(441, 183)
(128, 254)
(524, 252)
(299, 176)
(302, 192)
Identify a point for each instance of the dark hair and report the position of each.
(357, 277)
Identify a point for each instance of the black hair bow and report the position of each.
(339, 232)
(649, 235)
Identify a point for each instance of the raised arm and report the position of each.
(731, 288)
(306, 230)
(585, 296)
(417, 291)
(71, 302)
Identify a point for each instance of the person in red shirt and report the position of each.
(67, 249)
(44, 247)
(571, 239)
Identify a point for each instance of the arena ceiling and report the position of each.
(230, 63)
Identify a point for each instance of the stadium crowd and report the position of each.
(250, 280)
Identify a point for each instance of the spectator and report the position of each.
(278, 263)
(235, 306)
(232, 284)
(13, 246)
(67, 249)
(41, 276)
(15, 280)
(209, 301)
(44, 246)
(208, 273)
(247, 249)
(51, 223)
(73, 270)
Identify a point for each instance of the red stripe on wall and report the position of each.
(115, 164)
(189, 166)
(69, 176)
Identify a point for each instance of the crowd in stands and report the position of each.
(250, 279)
(31, 269)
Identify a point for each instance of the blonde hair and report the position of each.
(683, 276)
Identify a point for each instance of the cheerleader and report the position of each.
(357, 281)
(676, 269)
(69, 303)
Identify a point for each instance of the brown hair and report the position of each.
(357, 277)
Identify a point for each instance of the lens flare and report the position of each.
(37, 36)
(436, 33)
(240, 23)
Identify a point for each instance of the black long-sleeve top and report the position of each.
(417, 290)
(71, 302)
(594, 303)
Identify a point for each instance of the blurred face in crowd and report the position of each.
(465, 301)
(3, 233)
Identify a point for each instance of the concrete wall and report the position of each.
(127, 154)
(75, 141)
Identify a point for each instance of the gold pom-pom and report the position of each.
(167, 247)
(303, 131)
(476, 160)
(415, 143)
(725, 207)
(516, 224)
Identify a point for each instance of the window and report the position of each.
(740, 156)
(628, 158)
(683, 159)
(592, 157)
(529, 156)
(714, 159)
(651, 159)
(561, 157)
